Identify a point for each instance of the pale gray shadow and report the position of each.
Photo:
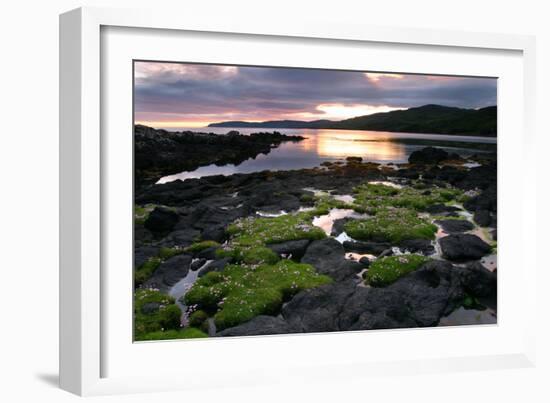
(49, 379)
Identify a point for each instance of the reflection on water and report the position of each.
(326, 145)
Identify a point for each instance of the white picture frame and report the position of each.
(85, 194)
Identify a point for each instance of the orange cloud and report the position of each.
(375, 77)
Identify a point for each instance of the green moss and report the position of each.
(187, 333)
(143, 272)
(242, 292)
(261, 231)
(197, 318)
(154, 311)
(371, 198)
(249, 255)
(141, 213)
(393, 225)
(166, 253)
(200, 246)
(386, 270)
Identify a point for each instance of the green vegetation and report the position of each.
(142, 212)
(266, 230)
(143, 272)
(386, 270)
(166, 253)
(371, 198)
(200, 246)
(154, 312)
(241, 292)
(186, 333)
(393, 225)
(422, 119)
(249, 255)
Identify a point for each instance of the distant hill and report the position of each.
(424, 119)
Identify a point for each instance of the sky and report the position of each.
(174, 95)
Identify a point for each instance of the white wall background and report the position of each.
(29, 201)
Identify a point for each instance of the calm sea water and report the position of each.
(330, 145)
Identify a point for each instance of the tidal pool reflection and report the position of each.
(330, 145)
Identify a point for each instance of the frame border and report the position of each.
(80, 172)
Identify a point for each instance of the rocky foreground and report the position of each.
(351, 245)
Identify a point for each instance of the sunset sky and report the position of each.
(173, 95)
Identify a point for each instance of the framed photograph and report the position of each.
(264, 202)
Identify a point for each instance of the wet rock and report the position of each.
(197, 264)
(477, 280)
(169, 273)
(161, 220)
(318, 309)
(423, 246)
(181, 238)
(216, 265)
(295, 248)
(455, 226)
(260, 325)
(386, 252)
(328, 257)
(460, 247)
(365, 261)
(208, 253)
(428, 155)
(373, 248)
(338, 225)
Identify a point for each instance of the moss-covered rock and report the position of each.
(145, 271)
(371, 198)
(387, 270)
(242, 292)
(265, 230)
(200, 246)
(391, 225)
(154, 311)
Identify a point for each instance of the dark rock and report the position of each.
(295, 248)
(387, 252)
(338, 226)
(365, 261)
(483, 218)
(455, 226)
(477, 280)
(143, 253)
(494, 234)
(216, 265)
(460, 247)
(318, 309)
(260, 325)
(442, 209)
(373, 248)
(169, 272)
(328, 257)
(423, 246)
(161, 220)
(181, 238)
(208, 253)
(428, 155)
(197, 264)
(418, 299)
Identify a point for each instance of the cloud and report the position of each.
(211, 93)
